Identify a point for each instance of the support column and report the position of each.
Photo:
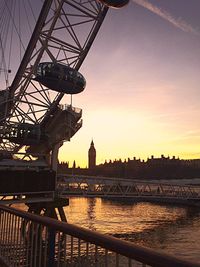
(54, 156)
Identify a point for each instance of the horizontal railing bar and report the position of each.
(26, 200)
(25, 193)
(128, 180)
(125, 248)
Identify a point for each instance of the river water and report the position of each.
(174, 230)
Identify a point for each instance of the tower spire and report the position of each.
(92, 156)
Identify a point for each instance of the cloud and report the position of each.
(177, 22)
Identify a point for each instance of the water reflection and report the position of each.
(174, 229)
(91, 213)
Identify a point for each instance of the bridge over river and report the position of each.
(106, 187)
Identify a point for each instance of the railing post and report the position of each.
(51, 247)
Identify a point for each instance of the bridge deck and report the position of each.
(75, 185)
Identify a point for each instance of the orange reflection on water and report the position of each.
(175, 230)
(120, 217)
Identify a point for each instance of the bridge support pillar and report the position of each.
(54, 156)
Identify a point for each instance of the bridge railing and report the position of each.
(36, 241)
(103, 186)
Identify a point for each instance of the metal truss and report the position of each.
(92, 186)
(64, 33)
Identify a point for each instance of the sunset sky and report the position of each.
(143, 84)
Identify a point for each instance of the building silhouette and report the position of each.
(133, 168)
(92, 156)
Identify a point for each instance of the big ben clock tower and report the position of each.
(92, 156)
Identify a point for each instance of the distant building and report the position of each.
(92, 156)
(153, 168)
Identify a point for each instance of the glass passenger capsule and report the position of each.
(115, 3)
(60, 78)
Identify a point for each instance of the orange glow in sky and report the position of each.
(142, 94)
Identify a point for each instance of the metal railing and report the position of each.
(77, 185)
(26, 197)
(31, 240)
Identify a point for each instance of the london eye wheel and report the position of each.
(40, 60)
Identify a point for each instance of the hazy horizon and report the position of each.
(142, 91)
